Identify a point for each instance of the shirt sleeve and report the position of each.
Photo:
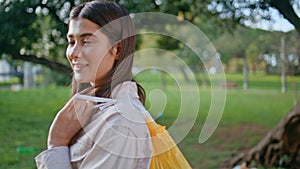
(115, 143)
(54, 158)
(118, 144)
(117, 148)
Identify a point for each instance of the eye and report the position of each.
(86, 42)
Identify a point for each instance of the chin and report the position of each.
(81, 79)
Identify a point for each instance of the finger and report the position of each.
(87, 104)
(84, 110)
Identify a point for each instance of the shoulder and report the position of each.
(124, 132)
(125, 114)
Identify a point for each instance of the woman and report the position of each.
(109, 130)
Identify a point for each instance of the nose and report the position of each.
(74, 51)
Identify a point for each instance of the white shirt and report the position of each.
(116, 137)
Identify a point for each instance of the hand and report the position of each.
(68, 121)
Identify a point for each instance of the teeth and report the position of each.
(79, 66)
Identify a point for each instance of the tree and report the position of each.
(280, 147)
(21, 35)
(242, 11)
(246, 44)
(286, 9)
(39, 35)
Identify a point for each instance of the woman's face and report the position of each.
(89, 51)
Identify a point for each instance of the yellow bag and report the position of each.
(166, 154)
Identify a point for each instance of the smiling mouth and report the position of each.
(79, 67)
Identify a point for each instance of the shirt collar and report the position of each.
(125, 91)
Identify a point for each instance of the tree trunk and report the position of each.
(163, 77)
(185, 75)
(298, 51)
(279, 148)
(283, 64)
(245, 72)
(204, 79)
(43, 61)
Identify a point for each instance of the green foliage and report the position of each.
(11, 81)
(52, 77)
(35, 29)
(40, 27)
(18, 33)
(258, 46)
(168, 43)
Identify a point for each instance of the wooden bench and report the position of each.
(230, 85)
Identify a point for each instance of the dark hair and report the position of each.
(122, 33)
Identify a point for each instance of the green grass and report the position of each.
(260, 108)
(12, 80)
(263, 81)
(248, 115)
(25, 119)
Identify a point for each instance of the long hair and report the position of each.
(120, 32)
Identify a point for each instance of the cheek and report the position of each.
(105, 65)
(101, 56)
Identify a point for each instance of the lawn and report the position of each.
(248, 115)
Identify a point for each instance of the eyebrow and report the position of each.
(83, 35)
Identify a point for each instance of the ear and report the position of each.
(116, 50)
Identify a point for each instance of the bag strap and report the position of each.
(95, 99)
(135, 102)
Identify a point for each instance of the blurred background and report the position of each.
(257, 42)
